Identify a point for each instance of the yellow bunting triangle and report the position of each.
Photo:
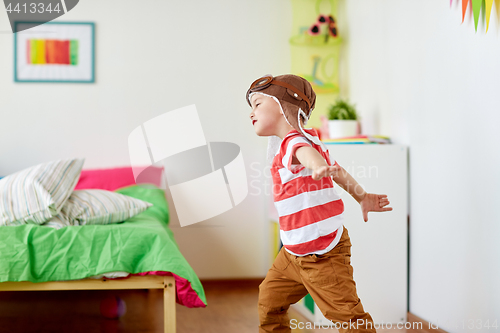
(489, 3)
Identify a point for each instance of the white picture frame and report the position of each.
(55, 52)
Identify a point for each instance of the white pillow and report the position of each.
(97, 207)
(34, 195)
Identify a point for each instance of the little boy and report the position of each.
(316, 252)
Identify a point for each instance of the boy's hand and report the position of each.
(374, 203)
(325, 171)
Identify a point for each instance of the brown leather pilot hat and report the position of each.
(295, 94)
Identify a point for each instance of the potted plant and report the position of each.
(343, 119)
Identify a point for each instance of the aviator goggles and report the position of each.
(267, 80)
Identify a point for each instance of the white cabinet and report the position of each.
(379, 253)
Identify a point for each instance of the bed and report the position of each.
(139, 253)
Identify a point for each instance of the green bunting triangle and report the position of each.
(476, 8)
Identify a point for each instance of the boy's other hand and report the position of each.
(374, 203)
(325, 171)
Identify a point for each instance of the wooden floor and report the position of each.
(232, 308)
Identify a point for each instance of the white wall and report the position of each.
(420, 76)
(153, 57)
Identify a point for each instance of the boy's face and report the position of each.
(266, 115)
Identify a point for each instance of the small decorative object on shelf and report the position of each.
(343, 119)
(316, 43)
(359, 139)
(324, 20)
(323, 131)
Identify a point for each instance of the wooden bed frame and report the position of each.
(167, 283)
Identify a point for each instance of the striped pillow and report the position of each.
(57, 222)
(34, 195)
(98, 207)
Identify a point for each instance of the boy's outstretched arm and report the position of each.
(369, 202)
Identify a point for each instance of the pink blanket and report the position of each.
(185, 295)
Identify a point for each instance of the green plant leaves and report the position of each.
(342, 110)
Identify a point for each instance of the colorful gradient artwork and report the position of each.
(52, 51)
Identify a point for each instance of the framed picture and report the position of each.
(55, 52)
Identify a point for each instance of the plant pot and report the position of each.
(342, 128)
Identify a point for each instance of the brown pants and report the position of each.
(327, 277)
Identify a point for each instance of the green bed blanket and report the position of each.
(142, 243)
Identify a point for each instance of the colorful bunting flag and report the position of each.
(464, 8)
(489, 3)
(476, 8)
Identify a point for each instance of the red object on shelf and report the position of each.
(319, 132)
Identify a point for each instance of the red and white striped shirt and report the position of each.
(310, 211)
